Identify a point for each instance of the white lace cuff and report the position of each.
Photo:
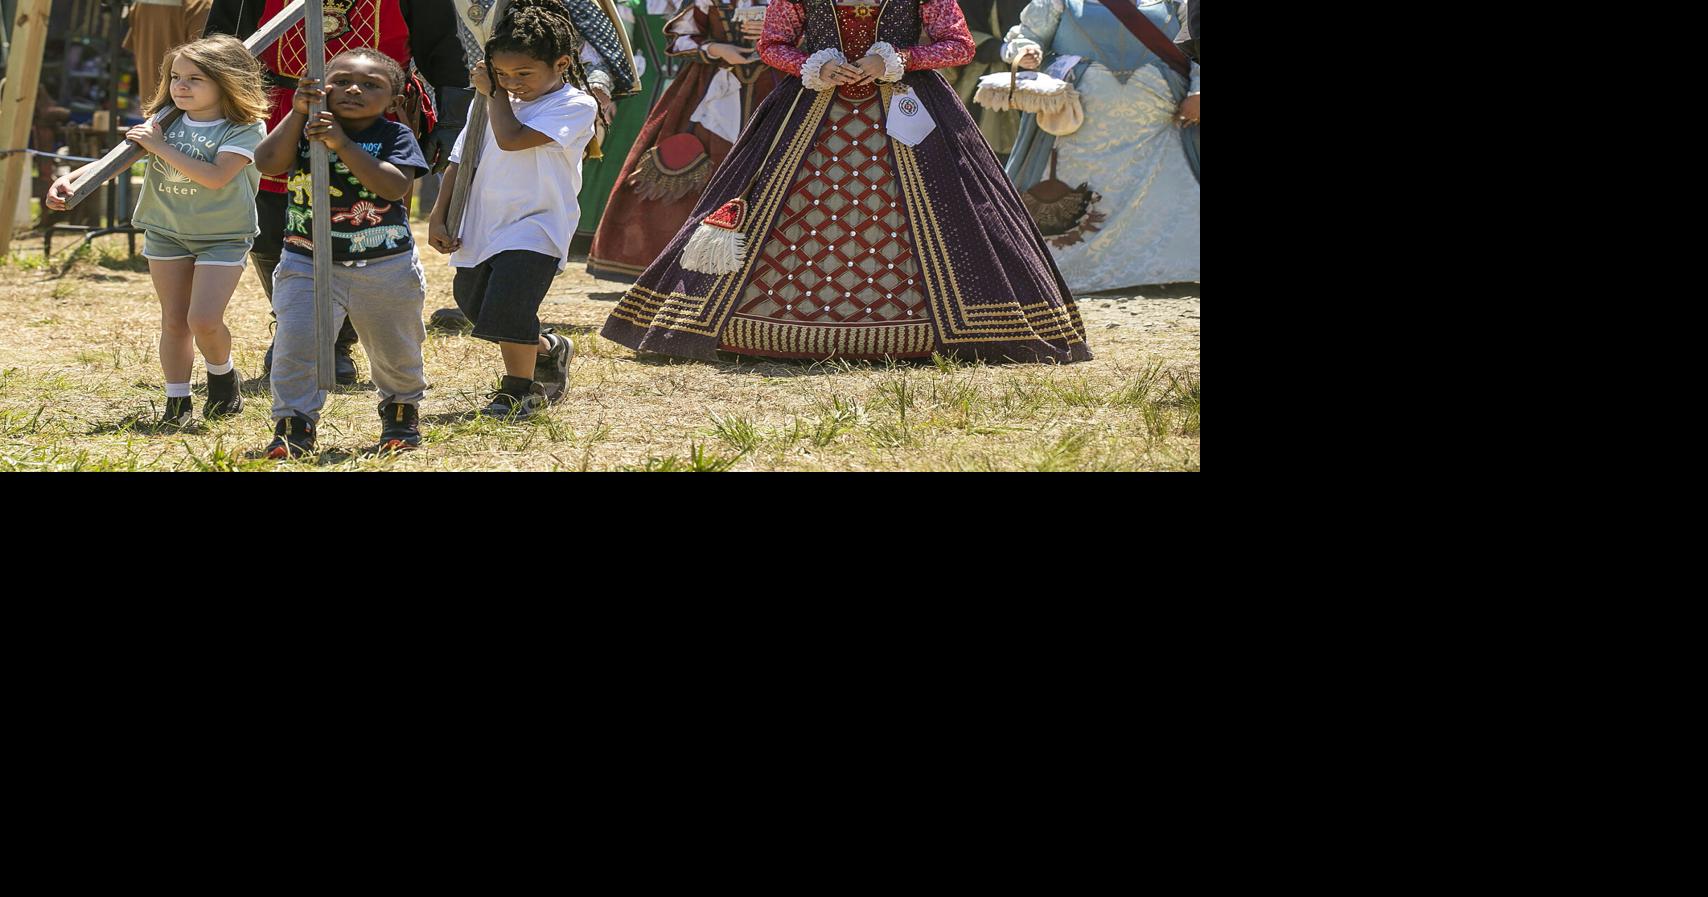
(815, 63)
(894, 67)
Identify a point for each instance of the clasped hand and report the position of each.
(865, 71)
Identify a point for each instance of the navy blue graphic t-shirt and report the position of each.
(364, 226)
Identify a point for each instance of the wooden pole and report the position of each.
(320, 225)
(474, 140)
(126, 154)
(18, 106)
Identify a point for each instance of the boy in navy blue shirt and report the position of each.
(377, 280)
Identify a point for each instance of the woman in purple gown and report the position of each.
(870, 219)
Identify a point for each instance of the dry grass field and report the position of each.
(80, 381)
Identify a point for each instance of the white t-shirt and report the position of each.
(529, 199)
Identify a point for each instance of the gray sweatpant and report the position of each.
(383, 298)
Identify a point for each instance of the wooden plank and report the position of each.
(320, 196)
(18, 106)
(126, 154)
(474, 140)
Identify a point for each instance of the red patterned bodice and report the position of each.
(859, 26)
(794, 29)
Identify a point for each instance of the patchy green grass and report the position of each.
(80, 386)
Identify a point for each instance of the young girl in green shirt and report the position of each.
(197, 211)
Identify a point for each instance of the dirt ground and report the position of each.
(80, 379)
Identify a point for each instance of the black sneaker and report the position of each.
(506, 404)
(344, 365)
(551, 370)
(178, 415)
(400, 427)
(225, 395)
(293, 436)
(451, 319)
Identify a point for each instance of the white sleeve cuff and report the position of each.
(1012, 49)
(245, 153)
(815, 63)
(894, 68)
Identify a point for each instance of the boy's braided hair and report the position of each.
(537, 29)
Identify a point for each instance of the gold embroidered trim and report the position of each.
(983, 322)
(828, 340)
(941, 286)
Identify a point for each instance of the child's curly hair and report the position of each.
(233, 69)
(537, 29)
(393, 71)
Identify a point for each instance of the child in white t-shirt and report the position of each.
(522, 205)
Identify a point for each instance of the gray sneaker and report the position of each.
(511, 408)
(551, 370)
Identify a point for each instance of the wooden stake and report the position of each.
(126, 154)
(320, 181)
(474, 140)
(18, 106)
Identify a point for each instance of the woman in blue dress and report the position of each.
(1130, 215)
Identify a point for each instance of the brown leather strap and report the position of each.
(1148, 34)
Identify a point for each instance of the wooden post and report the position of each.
(320, 225)
(18, 106)
(474, 140)
(126, 154)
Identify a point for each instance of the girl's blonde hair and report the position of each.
(237, 74)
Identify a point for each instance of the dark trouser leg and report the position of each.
(270, 213)
(264, 267)
(270, 210)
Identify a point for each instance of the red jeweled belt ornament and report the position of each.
(718, 245)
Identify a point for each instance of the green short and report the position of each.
(161, 247)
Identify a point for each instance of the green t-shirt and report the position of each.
(173, 204)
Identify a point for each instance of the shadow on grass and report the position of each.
(451, 417)
(133, 263)
(322, 458)
(143, 423)
(1188, 290)
(606, 297)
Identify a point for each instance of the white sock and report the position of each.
(177, 390)
(218, 368)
